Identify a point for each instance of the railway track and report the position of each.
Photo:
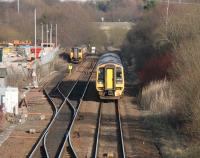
(52, 143)
(75, 99)
(109, 135)
(39, 148)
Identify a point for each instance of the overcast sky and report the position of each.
(60, 0)
(6, 0)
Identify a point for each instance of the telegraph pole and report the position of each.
(42, 33)
(18, 6)
(51, 34)
(35, 32)
(56, 35)
(47, 28)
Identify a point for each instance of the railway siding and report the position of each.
(62, 133)
(44, 146)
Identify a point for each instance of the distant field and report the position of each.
(112, 25)
(182, 1)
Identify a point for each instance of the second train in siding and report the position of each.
(110, 76)
(77, 54)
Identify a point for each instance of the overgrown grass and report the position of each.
(157, 97)
(174, 105)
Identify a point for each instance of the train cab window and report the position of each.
(101, 75)
(118, 75)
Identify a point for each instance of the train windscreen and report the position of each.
(118, 75)
(75, 53)
(101, 75)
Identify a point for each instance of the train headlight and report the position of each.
(117, 93)
(119, 80)
(118, 88)
(100, 82)
(100, 88)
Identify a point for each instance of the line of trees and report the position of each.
(73, 19)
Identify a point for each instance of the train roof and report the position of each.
(109, 58)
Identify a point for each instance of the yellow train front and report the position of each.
(76, 54)
(110, 76)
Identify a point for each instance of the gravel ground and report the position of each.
(108, 138)
(137, 137)
(20, 140)
(84, 127)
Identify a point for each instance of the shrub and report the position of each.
(186, 84)
(143, 41)
(157, 97)
(156, 68)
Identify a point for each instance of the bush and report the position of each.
(186, 84)
(156, 68)
(157, 97)
(117, 36)
(144, 49)
(143, 42)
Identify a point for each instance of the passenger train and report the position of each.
(77, 54)
(110, 76)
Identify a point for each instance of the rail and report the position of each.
(39, 142)
(58, 112)
(121, 150)
(97, 133)
(76, 109)
(120, 129)
(42, 142)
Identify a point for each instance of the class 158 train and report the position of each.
(77, 54)
(110, 77)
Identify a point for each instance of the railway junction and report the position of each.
(77, 123)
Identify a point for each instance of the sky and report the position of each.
(6, 0)
(60, 0)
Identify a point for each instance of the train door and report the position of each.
(75, 53)
(80, 53)
(109, 78)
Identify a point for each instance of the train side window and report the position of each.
(118, 74)
(101, 73)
